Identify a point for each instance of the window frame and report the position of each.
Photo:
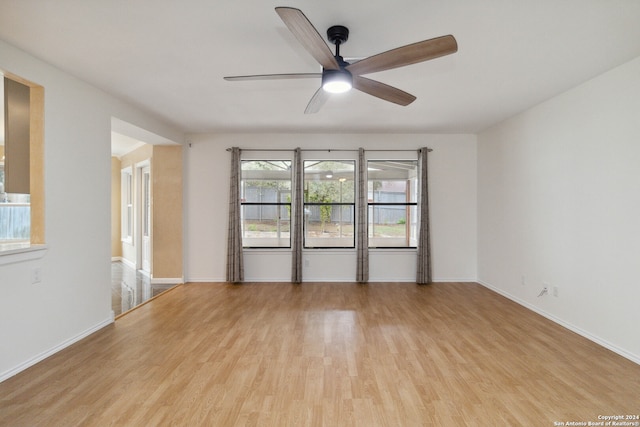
(277, 204)
(127, 205)
(306, 203)
(339, 156)
(34, 247)
(371, 204)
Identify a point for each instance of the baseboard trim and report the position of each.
(307, 279)
(128, 263)
(205, 280)
(604, 343)
(167, 281)
(40, 357)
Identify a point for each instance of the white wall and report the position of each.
(452, 174)
(74, 296)
(559, 203)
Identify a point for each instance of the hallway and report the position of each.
(130, 288)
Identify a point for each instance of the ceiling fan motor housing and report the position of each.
(338, 34)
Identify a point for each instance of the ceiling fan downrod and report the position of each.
(337, 35)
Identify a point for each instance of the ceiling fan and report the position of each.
(340, 76)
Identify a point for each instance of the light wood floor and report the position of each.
(391, 354)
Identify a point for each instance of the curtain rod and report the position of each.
(318, 149)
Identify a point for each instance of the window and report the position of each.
(329, 204)
(21, 162)
(266, 203)
(146, 206)
(392, 195)
(127, 204)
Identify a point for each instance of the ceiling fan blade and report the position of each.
(308, 36)
(274, 76)
(382, 91)
(405, 55)
(317, 101)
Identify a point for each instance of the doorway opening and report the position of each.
(146, 228)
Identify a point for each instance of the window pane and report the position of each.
(146, 220)
(329, 195)
(329, 181)
(266, 226)
(15, 214)
(127, 205)
(393, 191)
(329, 226)
(392, 226)
(15, 222)
(393, 181)
(266, 203)
(264, 181)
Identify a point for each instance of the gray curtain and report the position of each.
(362, 243)
(296, 218)
(235, 268)
(423, 275)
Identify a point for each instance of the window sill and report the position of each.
(392, 249)
(266, 248)
(11, 253)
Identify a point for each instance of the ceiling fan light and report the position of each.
(337, 81)
(337, 87)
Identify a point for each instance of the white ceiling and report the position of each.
(169, 57)
(123, 144)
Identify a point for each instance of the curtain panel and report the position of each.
(235, 267)
(423, 275)
(296, 218)
(362, 237)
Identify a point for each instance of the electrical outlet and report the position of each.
(555, 291)
(306, 262)
(36, 275)
(523, 281)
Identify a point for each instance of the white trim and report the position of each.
(308, 279)
(604, 343)
(116, 259)
(207, 280)
(395, 250)
(20, 253)
(40, 357)
(138, 212)
(128, 263)
(127, 199)
(166, 280)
